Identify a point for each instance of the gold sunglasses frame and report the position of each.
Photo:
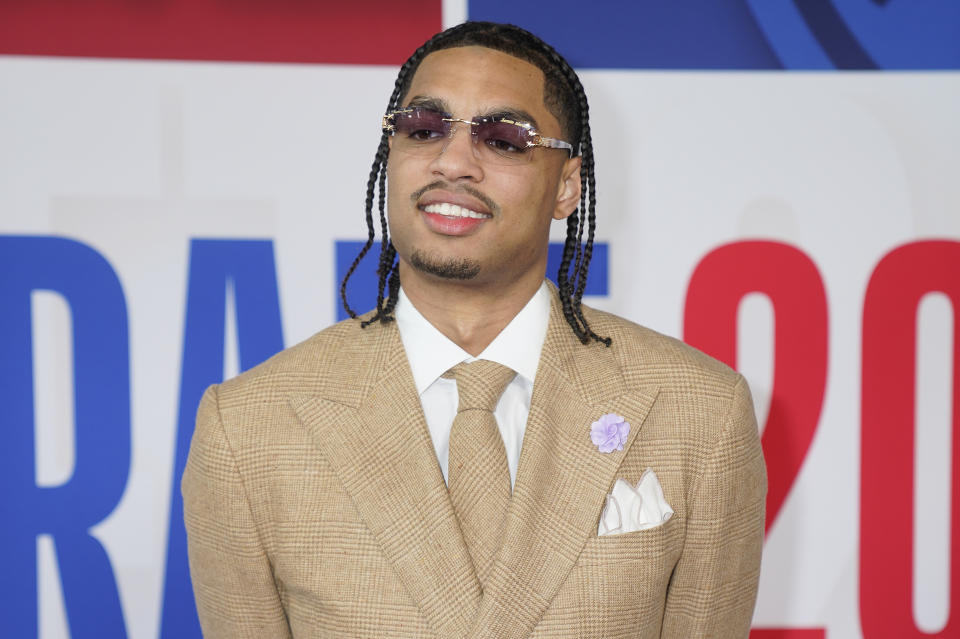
(387, 125)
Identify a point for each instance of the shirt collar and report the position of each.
(431, 353)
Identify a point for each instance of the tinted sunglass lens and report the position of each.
(503, 138)
(420, 125)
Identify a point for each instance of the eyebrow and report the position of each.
(427, 102)
(510, 113)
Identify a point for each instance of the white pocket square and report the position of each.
(631, 508)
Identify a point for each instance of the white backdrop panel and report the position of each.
(136, 158)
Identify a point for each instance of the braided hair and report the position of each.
(565, 99)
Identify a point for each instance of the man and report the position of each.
(352, 486)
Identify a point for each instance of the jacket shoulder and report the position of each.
(304, 368)
(646, 354)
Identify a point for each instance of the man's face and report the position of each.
(454, 214)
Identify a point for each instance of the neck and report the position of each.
(471, 315)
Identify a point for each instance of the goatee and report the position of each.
(447, 268)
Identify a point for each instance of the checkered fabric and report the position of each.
(479, 479)
(315, 506)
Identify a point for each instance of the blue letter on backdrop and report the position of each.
(102, 417)
(214, 264)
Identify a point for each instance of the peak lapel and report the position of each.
(562, 480)
(381, 450)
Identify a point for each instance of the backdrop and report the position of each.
(182, 183)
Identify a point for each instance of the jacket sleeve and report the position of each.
(714, 585)
(232, 577)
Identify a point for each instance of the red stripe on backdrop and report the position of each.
(315, 31)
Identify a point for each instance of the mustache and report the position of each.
(464, 188)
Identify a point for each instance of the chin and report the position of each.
(449, 268)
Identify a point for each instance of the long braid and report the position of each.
(586, 172)
(591, 230)
(386, 253)
(378, 160)
(572, 286)
(564, 96)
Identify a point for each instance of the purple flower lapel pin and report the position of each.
(609, 433)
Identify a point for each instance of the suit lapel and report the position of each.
(373, 432)
(562, 479)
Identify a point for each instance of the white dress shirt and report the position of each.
(431, 354)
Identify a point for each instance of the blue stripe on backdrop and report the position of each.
(363, 283)
(741, 34)
(694, 34)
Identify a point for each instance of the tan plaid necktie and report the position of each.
(478, 476)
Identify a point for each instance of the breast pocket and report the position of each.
(619, 583)
(660, 543)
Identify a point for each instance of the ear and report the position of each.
(568, 191)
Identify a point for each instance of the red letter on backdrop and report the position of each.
(792, 283)
(898, 283)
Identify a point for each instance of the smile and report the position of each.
(452, 210)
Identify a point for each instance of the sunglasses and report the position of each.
(499, 139)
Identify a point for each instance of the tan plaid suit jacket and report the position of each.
(315, 506)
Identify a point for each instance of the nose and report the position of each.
(458, 158)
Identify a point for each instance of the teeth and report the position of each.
(452, 210)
